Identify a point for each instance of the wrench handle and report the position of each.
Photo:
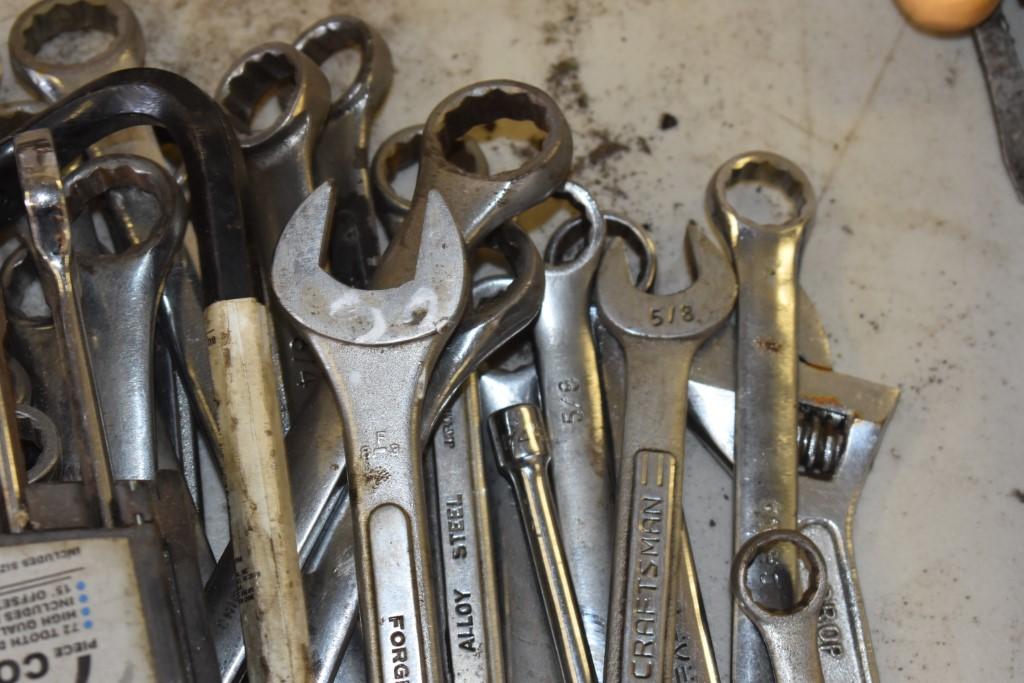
(657, 623)
(378, 390)
(466, 543)
(273, 606)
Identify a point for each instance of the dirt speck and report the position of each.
(668, 121)
(768, 344)
(1018, 494)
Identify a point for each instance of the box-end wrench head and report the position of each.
(46, 20)
(341, 154)
(119, 293)
(790, 634)
(401, 151)
(660, 591)
(377, 348)
(480, 202)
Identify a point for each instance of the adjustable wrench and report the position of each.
(377, 348)
(841, 423)
(571, 393)
(656, 617)
(766, 259)
(521, 447)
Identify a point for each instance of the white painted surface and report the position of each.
(916, 262)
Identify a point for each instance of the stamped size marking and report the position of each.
(649, 549)
(571, 410)
(381, 446)
(666, 315)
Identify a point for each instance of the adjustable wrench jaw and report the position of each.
(695, 313)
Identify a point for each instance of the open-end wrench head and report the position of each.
(694, 312)
(247, 82)
(341, 32)
(45, 203)
(45, 20)
(767, 168)
(428, 304)
(490, 325)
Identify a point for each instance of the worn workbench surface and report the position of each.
(916, 262)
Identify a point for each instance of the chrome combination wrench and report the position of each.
(656, 616)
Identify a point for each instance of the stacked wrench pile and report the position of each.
(265, 417)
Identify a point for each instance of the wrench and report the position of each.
(462, 515)
(118, 295)
(766, 259)
(521, 446)
(348, 328)
(400, 151)
(656, 616)
(180, 311)
(12, 462)
(280, 162)
(50, 231)
(841, 424)
(571, 393)
(609, 353)
(318, 462)
(48, 19)
(33, 340)
(467, 556)
(341, 153)
(483, 201)
(37, 429)
(790, 635)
